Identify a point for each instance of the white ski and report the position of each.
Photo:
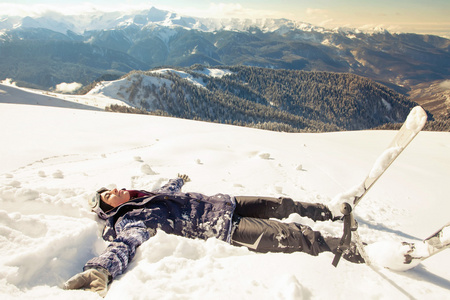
(432, 245)
(413, 125)
(343, 204)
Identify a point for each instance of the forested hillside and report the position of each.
(285, 100)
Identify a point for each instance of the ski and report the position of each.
(344, 203)
(411, 127)
(432, 245)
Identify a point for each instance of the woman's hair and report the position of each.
(105, 206)
(96, 202)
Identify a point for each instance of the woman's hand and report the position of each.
(184, 177)
(94, 280)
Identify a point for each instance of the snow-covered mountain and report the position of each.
(43, 51)
(52, 159)
(148, 18)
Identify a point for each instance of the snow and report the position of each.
(194, 80)
(65, 87)
(416, 119)
(386, 104)
(9, 93)
(105, 19)
(384, 160)
(445, 238)
(216, 73)
(53, 157)
(389, 253)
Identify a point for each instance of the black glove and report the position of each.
(184, 177)
(94, 280)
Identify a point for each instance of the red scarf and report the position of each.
(137, 194)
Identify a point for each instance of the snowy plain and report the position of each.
(54, 156)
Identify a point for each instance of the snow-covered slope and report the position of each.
(9, 93)
(138, 87)
(52, 159)
(105, 93)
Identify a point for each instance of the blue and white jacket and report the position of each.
(191, 215)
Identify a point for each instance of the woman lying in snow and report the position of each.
(132, 217)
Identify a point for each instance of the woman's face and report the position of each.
(115, 197)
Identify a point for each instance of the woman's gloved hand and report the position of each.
(94, 280)
(184, 177)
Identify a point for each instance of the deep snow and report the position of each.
(53, 158)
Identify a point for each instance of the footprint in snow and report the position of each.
(58, 174)
(300, 168)
(146, 169)
(15, 184)
(265, 156)
(279, 189)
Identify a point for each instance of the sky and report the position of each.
(416, 16)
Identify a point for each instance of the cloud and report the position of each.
(67, 87)
(214, 10)
(316, 11)
(228, 10)
(318, 16)
(34, 10)
(445, 85)
(325, 23)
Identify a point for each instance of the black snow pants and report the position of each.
(256, 231)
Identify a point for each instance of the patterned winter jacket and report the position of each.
(190, 215)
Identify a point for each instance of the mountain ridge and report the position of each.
(145, 18)
(155, 38)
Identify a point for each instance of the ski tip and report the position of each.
(416, 119)
(445, 228)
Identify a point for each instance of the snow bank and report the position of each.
(52, 159)
(9, 93)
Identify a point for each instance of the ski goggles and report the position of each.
(95, 201)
